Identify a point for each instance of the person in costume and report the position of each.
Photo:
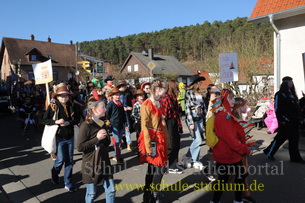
(229, 150)
(109, 81)
(170, 109)
(136, 115)
(116, 116)
(288, 114)
(126, 101)
(270, 120)
(154, 131)
(93, 141)
(181, 98)
(66, 119)
(146, 88)
(195, 112)
(240, 108)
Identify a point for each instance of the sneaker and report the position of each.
(186, 161)
(248, 199)
(211, 178)
(120, 161)
(54, 177)
(70, 187)
(198, 165)
(175, 171)
(130, 147)
(53, 157)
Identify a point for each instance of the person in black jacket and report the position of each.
(93, 142)
(65, 118)
(288, 114)
(116, 115)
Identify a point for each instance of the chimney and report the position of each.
(32, 37)
(71, 42)
(49, 39)
(151, 54)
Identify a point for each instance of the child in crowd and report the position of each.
(93, 142)
(135, 115)
(240, 108)
(116, 115)
(229, 149)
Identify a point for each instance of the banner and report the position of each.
(43, 72)
(228, 67)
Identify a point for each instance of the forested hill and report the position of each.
(201, 42)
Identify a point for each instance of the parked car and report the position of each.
(4, 102)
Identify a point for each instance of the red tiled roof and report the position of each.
(264, 7)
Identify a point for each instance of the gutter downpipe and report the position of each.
(278, 54)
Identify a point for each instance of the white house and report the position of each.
(287, 17)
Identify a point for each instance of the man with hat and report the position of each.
(109, 81)
(288, 114)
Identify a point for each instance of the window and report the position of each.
(136, 67)
(33, 57)
(129, 68)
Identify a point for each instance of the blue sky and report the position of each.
(65, 20)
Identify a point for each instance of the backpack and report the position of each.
(211, 138)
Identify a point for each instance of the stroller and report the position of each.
(259, 113)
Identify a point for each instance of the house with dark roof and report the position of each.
(19, 55)
(287, 17)
(148, 66)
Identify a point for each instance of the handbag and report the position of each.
(48, 140)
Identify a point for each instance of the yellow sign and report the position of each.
(84, 64)
(151, 65)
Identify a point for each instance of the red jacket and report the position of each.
(229, 148)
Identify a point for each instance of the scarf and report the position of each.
(118, 103)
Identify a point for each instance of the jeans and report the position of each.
(117, 134)
(109, 191)
(197, 140)
(64, 155)
(127, 135)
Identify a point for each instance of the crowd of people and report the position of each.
(155, 111)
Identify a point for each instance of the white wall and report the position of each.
(292, 31)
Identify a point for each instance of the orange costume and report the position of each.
(153, 130)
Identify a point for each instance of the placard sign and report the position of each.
(228, 67)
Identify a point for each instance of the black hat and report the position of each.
(287, 78)
(196, 78)
(109, 77)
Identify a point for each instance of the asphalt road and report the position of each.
(25, 173)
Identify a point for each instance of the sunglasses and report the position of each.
(63, 95)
